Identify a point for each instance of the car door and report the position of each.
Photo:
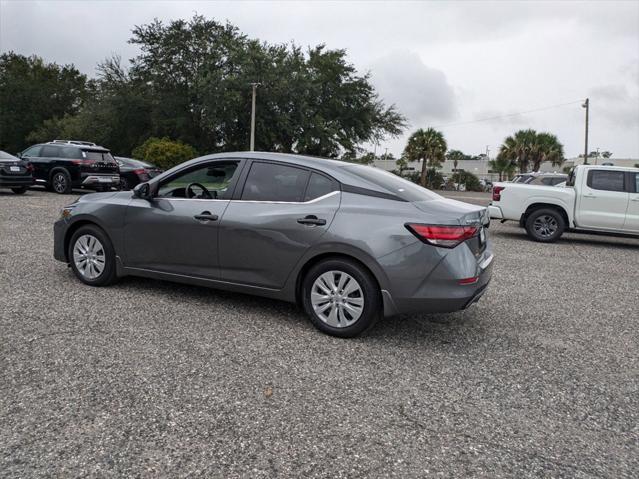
(177, 231)
(603, 200)
(281, 211)
(631, 224)
(40, 165)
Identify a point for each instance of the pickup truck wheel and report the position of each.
(545, 225)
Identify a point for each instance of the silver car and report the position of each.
(347, 242)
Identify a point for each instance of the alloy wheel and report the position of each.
(545, 226)
(89, 256)
(59, 183)
(337, 299)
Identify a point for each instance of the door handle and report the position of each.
(206, 216)
(589, 196)
(635, 199)
(311, 220)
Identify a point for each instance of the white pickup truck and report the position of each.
(595, 198)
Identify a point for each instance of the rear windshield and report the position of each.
(134, 163)
(404, 189)
(101, 156)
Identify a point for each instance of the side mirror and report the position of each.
(19, 155)
(142, 191)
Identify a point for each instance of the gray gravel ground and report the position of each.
(153, 379)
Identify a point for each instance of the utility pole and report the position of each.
(586, 105)
(254, 85)
(385, 154)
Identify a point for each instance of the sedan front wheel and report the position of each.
(91, 256)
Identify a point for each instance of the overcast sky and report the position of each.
(442, 64)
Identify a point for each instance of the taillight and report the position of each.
(444, 236)
(82, 162)
(142, 174)
(497, 192)
(29, 167)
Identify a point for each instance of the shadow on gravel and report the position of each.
(433, 328)
(597, 240)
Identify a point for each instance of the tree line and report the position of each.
(188, 92)
(191, 83)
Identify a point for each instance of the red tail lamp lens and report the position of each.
(445, 236)
(497, 192)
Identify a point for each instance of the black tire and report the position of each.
(61, 182)
(108, 273)
(19, 191)
(371, 295)
(124, 184)
(545, 225)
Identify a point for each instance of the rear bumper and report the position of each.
(495, 212)
(427, 279)
(458, 297)
(15, 181)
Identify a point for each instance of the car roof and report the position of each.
(91, 147)
(607, 167)
(335, 168)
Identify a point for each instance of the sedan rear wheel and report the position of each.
(91, 256)
(341, 297)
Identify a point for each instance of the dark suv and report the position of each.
(61, 165)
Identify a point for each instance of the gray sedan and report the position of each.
(348, 242)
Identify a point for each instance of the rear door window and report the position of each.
(606, 180)
(275, 182)
(319, 185)
(50, 151)
(70, 153)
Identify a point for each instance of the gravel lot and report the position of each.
(153, 379)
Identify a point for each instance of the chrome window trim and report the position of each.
(319, 198)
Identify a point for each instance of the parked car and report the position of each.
(595, 198)
(62, 165)
(348, 242)
(547, 179)
(15, 173)
(134, 172)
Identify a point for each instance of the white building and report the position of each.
(481, 168)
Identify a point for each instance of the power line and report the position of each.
(509, 114)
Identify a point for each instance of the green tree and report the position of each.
(310, 102)
(503, 166)
(468, 179)
(31, 92)
(164, 152)
(527, 147)
(429, 147)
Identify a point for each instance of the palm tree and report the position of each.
(429, 147)
(547, 148)
(518, 148)
(528, 146)
(503, 166)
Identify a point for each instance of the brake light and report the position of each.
(82, 162)
(497, 192)
(29, 167)
(142, 174)
(444, 236)
(466, 281)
